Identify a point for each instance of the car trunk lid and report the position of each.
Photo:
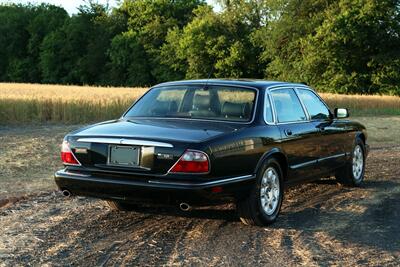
(141, 146)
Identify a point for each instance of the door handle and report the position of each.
(288, 132)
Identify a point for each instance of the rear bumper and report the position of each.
(154, 190)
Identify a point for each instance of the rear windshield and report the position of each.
(196, 102)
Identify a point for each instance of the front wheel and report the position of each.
(261, 207)
(353, 172)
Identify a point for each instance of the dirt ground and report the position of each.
(321, 223)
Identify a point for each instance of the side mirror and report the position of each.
(341, 113)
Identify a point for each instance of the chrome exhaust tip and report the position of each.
(66, 193)
(185, 207)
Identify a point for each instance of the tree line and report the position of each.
(345, 46)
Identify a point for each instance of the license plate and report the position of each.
(127, 156)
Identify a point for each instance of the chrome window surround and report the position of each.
(208, 84)
(295, 88)
(274, 107)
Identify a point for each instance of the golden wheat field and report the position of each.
(30, 103)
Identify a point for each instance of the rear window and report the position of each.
(197, 102)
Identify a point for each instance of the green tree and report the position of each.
(222, 42)
(356, 49)
(22, 29)
(14, 38)
(129, 63)
(47, 19)
(150, 21)
(347, 46)
(78, 52)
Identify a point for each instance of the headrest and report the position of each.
(239, 110)
(201, 102)
(162, 107)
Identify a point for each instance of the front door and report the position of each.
(331, 137)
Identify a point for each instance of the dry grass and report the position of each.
(365, 104)
(22, 103)
(67, 92)
(27, 103)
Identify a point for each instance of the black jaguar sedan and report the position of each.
(205, 142)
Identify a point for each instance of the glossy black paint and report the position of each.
(306, 150)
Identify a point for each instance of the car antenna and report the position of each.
(209, 74)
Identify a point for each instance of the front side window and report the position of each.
(315, 107)
(287, 105)
(197, 102)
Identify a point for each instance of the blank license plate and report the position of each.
(127, 156)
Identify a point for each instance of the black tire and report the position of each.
(121, 206)
(346, 175)
(250, 208)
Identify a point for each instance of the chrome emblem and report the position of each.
(164, 156)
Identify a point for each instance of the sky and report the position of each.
(69, 5)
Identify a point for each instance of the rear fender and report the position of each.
(279, 155)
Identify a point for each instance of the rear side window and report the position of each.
(287, 105)
(315, 107)
(268, 110)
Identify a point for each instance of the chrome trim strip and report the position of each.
(286, 85)
(73, 173)
(122, 141)
(158, 182)
(333, 157)
(233, 179)
(305, 164)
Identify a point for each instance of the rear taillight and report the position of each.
(192, 162)
(67, 157)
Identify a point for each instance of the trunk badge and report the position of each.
(164, 156)
(79, 150)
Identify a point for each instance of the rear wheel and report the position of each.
(121, 206)
(261, 207)
(353, 172)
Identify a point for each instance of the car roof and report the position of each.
(260, 84)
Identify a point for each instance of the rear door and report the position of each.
(298, 134)
(332, 139)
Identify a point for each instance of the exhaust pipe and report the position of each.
(185, 207)
(66, 193)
